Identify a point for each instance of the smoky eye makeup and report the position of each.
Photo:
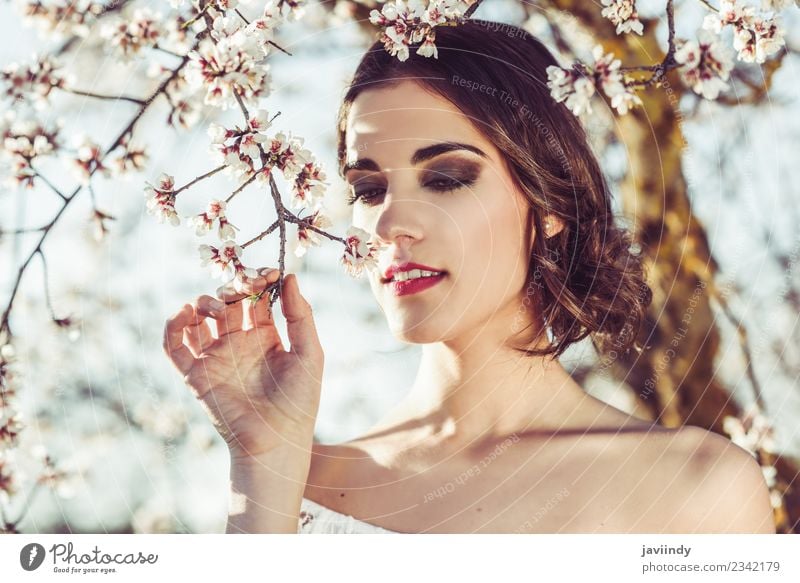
(440, 176)
(455, 170)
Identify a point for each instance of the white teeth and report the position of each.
(413, 274)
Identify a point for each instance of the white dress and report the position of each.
(318, 519)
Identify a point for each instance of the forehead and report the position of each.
(404, 117)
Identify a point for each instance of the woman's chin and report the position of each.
(415, 332)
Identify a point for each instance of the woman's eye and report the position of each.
(445, 184)
(440, 185)
(365, 194)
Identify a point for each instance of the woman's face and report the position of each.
(474, 232)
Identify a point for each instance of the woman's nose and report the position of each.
(400, 215)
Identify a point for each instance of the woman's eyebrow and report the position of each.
(419, 156)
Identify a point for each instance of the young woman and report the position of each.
(501, 251)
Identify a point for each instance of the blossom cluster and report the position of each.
(406, 22)
(88, 159)
(229, 61)
(361, 252)
(623, 14)
(161, 200)
(576, 86)
(755, 36)
(248, 151)
(225, 262)
(705, 64)
(10, 427)
(22, 141)
(62, 18)
(33, 81)
(129, 35)
(754, 433)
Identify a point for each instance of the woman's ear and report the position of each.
(552, 226)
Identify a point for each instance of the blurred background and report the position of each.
(132, 451)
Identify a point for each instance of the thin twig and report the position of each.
(271, 228)
(199, 178)
(28, 501)
(48, 300)
(50, 185)
(707, 5)
(4, 326)
(241, 188)
(135, 100)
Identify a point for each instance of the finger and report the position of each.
(257, 318)
(228, 317)
(260, 314)
(230, 292)
(178, 352)
(300, 325)
(197, 334)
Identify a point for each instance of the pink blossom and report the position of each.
(259, 121)
(22, 142)
(576, 87)
(88, 160)
(755, 36)
(360, 253)
(407, 22)
(306, 238)
(75, 17)
(214, 214)
(132, 158)
(129, 35)
(227, 66)
(753, 431)
(309, 186)
(8, 486)
(623, 14)
(33, 81)
(225, 263)
(161, 200)
(10, 426)
(706, 65)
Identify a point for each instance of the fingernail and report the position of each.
(265, 271)
(217, 304)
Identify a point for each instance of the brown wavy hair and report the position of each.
(588, 280)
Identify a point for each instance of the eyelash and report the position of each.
(449, 185)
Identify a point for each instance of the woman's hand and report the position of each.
(258, 395)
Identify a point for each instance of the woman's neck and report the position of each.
(469, 395)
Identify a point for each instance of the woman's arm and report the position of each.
(266, 491)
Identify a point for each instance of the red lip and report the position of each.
(412, 286)
(408, 266)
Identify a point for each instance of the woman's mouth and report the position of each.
(414, 281)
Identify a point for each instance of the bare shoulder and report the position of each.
(722, 484)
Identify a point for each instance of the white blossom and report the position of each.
(307, 238)
(360, 253)
(161, 200)
(705, 64)
(130, 34)
(31, 82)
(407, 22)
(755, 36)
(88, 160)
(622, 13)
(225, 263)
(214, 214)
(576, 86)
